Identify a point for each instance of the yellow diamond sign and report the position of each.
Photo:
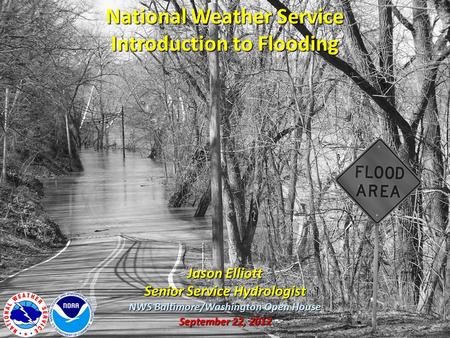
(378, 181)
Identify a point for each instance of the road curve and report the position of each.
(123, 237)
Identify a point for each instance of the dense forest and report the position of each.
(290, 123)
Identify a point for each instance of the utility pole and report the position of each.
(66, 121)
(214, 136)
(5, 140)
(69, 146)
(123, 134)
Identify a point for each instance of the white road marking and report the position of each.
(177, 262)
(175, 267)
(101, 263)
(119, 247)
(36, 265)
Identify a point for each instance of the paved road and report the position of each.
(123, 237)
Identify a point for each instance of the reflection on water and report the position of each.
(112, 196)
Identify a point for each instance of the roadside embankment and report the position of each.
(27, 235)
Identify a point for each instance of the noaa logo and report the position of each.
(25, 314)
(71, 314)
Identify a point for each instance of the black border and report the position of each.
(357, 159)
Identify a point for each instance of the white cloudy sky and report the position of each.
(96, 17)
(102, 5)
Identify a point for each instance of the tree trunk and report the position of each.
(309, 176)
(433, 158)
(216, 169)
(203, 205)
(5, 136)
(234, 242)
(387, 85)
(289, 234)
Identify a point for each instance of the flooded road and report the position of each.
(115, 197)
(122, 238)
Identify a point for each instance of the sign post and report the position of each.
(375, 275)
(378, 181)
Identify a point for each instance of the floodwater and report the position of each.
(112, 196)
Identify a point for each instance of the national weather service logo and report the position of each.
(71, 314)
(25, 314)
